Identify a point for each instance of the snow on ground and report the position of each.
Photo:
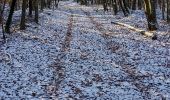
(69, 56)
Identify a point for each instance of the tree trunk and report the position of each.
(163, 9)
(36, 11)
(168, 11)
(148, 34)
(150, 12)
(49, 3)
(134, 5)
(9, 20)
(1, 3)
(1, 11)
(22, 24)
(122, 6)
(105, 5)
(114, 5)
(125, 3)
(139, 4)
(2, 18)
(30, 8)
(42, 5)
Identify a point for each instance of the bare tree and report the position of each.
(1, 18)
(168, 11)
(36, 11)
(22, 24)
(163, 9)
(9, 20)
(1, 4)
(30, 8)
(150, 12)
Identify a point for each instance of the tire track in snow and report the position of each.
(135, 79)
(132, 73)
(58, 65)
(68, 38)
(98, 25)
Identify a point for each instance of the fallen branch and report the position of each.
(148, 34)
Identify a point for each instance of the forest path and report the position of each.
(100, 65)
(130, 70)
(76, 53)
(59, 73)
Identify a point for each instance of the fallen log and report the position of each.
(143, 32)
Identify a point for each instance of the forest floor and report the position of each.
(75, 53)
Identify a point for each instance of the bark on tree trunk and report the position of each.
(168, 11)
(124, 7)
(42, 5)
(30, 8)
(134, 5)
(1, 3)
(22, 24)
(163, 9)
(105, 5)
(2, 18)
(150, 12)
(9, 20)
(114, 5)
(139, 4)
(36, 11)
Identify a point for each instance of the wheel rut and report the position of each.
(98, 25)
(68, 38)
(132, 73)
(58, 65)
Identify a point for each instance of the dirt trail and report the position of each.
(68, 38)
(58, 65)
(98, 25)
(78, 55)
(133, 74)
